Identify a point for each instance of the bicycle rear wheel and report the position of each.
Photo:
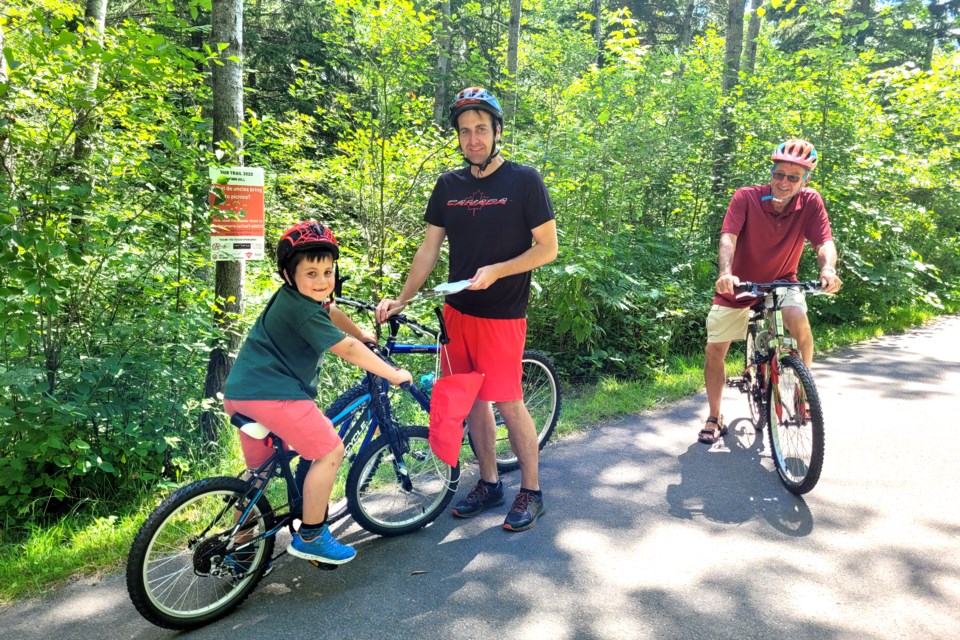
(384, 501)
(179, 572)
(796, 426)
(541, 396)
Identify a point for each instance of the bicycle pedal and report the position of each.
(326, 566)
(736, 383)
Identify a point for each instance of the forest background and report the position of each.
(642, 116)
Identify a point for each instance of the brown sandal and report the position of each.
(709, 435)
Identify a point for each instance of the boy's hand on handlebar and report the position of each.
(402, 375)
(726, 283)
(829, 280)
(367, 337)
(388, 307)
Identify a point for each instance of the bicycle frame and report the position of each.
(276, 465)
(766, 360)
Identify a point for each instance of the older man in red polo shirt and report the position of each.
(761, 240)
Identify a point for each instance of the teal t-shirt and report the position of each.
(281, 356)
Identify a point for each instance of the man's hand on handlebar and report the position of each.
(388, 307)
(829, 280)
(726, 283)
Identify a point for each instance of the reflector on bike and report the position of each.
(450, 402)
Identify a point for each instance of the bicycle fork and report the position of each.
(382, 412)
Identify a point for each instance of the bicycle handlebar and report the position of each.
(394, 320)
(400, 319)
(760, 288)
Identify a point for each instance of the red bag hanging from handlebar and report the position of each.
(450, 402)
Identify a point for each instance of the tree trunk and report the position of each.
(87, 119)
(513, 45)
(726, 145)
(95, 19)
(865, 9)
(598, 30)
(440, 97)
(226, 18)
(686, 33)
(7, 173)
(734, 45)
(939, 28)
(750, 58)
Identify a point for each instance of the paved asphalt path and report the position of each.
(649, 534)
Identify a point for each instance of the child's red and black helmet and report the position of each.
(305, 236)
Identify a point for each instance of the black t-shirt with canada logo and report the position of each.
(489, 220)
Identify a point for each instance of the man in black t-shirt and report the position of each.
(500, 225)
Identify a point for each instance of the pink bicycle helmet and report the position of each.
(798, 152)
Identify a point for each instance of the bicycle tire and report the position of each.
(375, 496)
(176, 576)
(797, 444)
(359, 423)
(756, 397)
(541, 395)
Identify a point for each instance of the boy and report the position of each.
(274, 377)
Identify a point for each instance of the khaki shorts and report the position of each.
(727, 324)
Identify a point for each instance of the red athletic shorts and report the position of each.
(300, 424)
(491, 346)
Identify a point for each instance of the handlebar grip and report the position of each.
(406, 386)
(444, 338)
(743, 286)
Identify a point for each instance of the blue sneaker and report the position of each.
(238, 562)
(324, 548)
(527, 509)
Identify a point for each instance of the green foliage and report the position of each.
(99, 250)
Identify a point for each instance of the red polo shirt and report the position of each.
(769, 244)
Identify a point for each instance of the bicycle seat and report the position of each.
(249, 426)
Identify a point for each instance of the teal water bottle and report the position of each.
(426, 383)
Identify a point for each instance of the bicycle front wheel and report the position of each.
(180, 574)
(796, 426)
(390, 496)
(541, 396)
(755, 394)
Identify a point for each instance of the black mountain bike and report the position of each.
(539, 380)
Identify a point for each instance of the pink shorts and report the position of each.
(493, 347)
(300, 424)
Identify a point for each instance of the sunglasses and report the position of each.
(779, 175)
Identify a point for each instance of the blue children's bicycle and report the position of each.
(206, 547)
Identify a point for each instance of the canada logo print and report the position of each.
(475, 202)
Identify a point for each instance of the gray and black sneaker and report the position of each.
(481, 497)
(527, 508)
